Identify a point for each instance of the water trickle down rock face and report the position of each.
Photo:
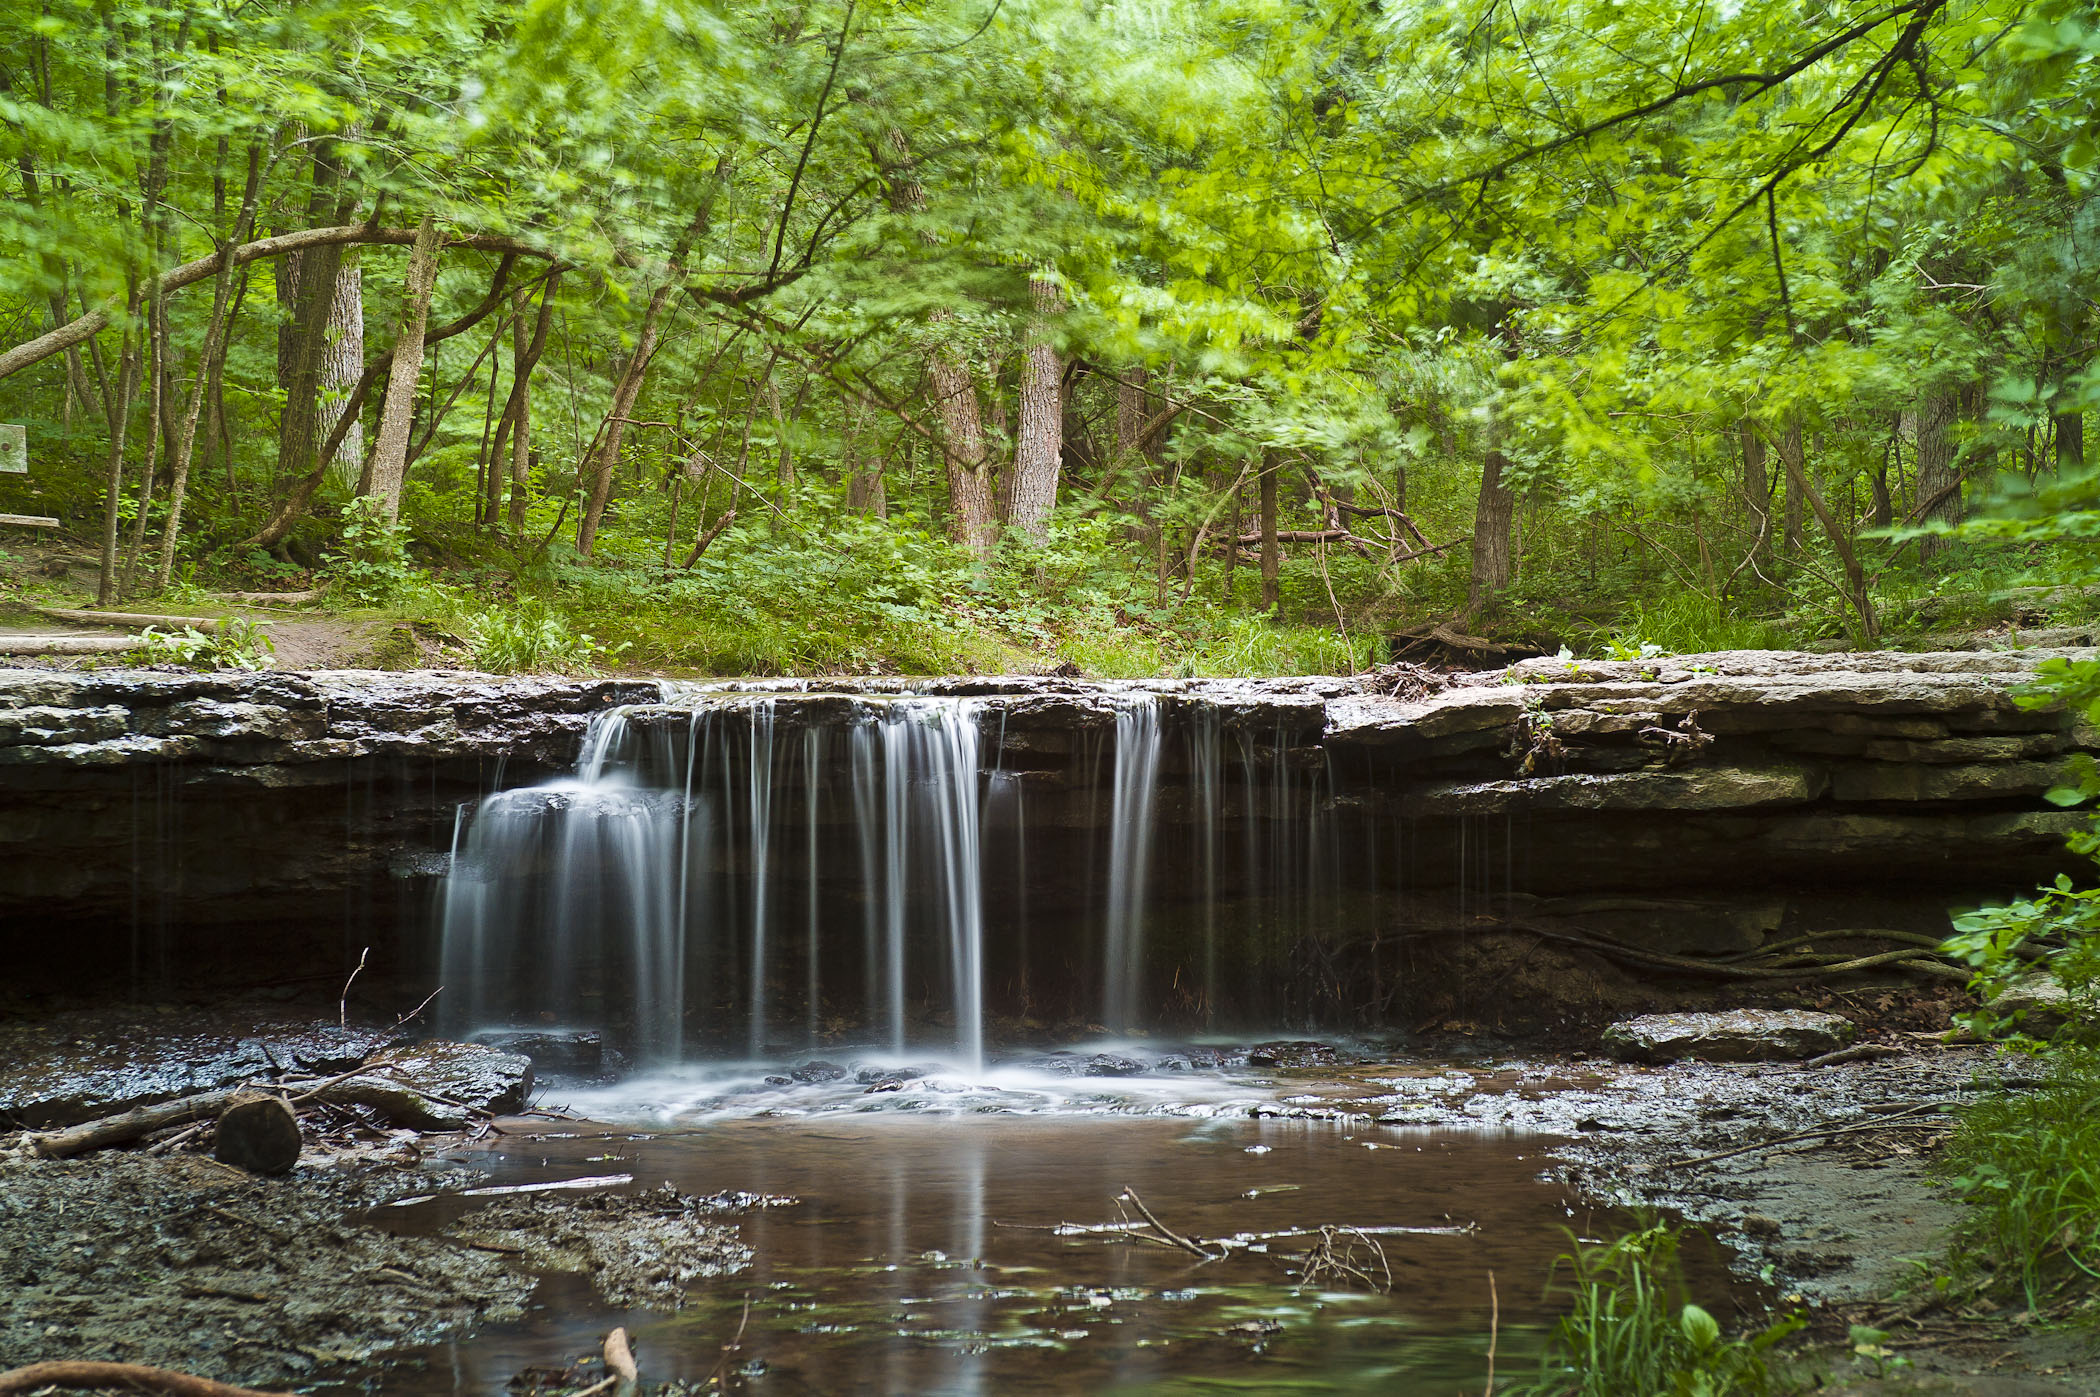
(240, 827)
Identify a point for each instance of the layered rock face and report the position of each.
(159, 828)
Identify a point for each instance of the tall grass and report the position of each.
(1630, 1332)
(2028, 1165)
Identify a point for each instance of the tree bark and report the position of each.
(1757, 487)
(1271, 550)
(210, 366)
(605, 454)
(2070, 441)
(383, 474)
(973, 521)
(1493, 515)
(311, 283)
(1793, 455)
(113, 475)
(1856, 593)
(514, 428)
(1039, 428)
(1939, 484)
(343, 357)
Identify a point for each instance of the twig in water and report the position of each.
(619, 1360)
(735, 1344)
(343, 1005)
(1165, 1231)
(1494, 1328)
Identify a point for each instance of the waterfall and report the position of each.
(1129, 859)
(610, 898)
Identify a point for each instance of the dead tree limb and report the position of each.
(129, 1377)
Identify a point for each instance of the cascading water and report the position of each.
(778, 871)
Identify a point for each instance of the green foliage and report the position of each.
(1632, 1333)
(371, 566)
(529, 638)
(2027, 1163)
(237, 644)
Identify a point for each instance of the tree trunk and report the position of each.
(1793, 456)
(1856, 593)
(127, 387)
(1271, 551)
(210, 367)
(305, 286)
(605, 454)
(1939, 485)
(2070, 441)
(1039, 430)
(1494, 564)
(514, 428)
(343, 359)
(384, 473)
(1757, 487)
(974, 522)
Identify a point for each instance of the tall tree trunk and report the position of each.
(388, 466)
(1271, 551)
(343, 359)
(210, 366)
(2070, 440)
(973, 521)
(605, 453)
(113, 503)
(1856, 593)
(1939, 484)
(311, 287)
(1495, 512)
(1793, 456)
(1757, 486)
(1884, 508)
(1039, 428)
(514, 428)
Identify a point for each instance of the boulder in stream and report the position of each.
(1731, 1035)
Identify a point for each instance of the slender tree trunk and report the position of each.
(2070, 441)
(113, 503)
(1793, 456)
(384, 473)
(605, 454)
(1856, 593)
(1271, 551)
(1884, 508)
(1939, 485)
(1757, 486)
(514, 428)
(1039, 429)
(156, 428)
(210, 368)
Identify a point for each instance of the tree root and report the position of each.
(130, 1377)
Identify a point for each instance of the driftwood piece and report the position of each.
(129, 1377)
(31, 521)
(258, 1132)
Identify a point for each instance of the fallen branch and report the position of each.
(128, 618)
(131, 1377)
(619, 1359)
(1167, 1232)
(399, 1102)
(306, 598)
(1907, 1119)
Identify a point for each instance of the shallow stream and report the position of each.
(924, 1252)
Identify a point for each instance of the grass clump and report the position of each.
(2027, 1164)
(1631, 1332)
(529, 637)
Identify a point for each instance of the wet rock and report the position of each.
(2040, 1001)
(643, 1249)
(818, 1072)
(1302, 1052)
(891, 1078)
(562, 1053)
(259, 1133)
(470, 1074)
(1733, 1035)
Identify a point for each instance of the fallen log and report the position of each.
(399, 1102)
(130, 1377)
(67, 644)
(305, 598)
(128, 618)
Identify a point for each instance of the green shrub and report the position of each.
(528, 637)
(1632, 1333)
(237, 644)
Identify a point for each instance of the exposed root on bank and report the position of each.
(127, 1377)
